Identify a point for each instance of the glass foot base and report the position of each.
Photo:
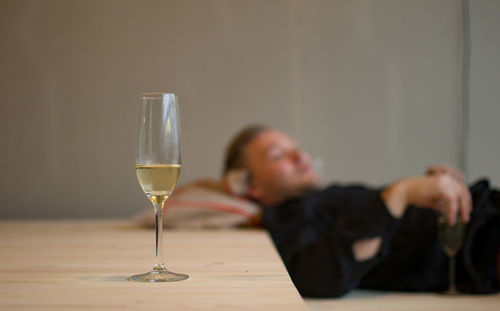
(451, 292)
(158, 276)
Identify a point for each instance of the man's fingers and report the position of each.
(443, 169)
(458, 201)
(465, 203)
(457, 174)
(451, 206)
(443, 193)
(434, 169)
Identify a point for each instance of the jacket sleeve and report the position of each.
(314, 237)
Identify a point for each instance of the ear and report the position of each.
(236, 182)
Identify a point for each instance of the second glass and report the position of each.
(451, 238)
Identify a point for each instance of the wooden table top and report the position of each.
(69, 265)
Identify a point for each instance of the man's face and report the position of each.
(278, 168)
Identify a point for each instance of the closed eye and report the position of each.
(276, 155)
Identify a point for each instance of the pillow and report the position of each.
(203, 204)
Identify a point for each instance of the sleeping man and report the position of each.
(339, 238)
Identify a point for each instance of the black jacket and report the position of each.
(314, 236)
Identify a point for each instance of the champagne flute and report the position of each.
(158, 165)
(451, 238)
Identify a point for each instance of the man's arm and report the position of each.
(441, 192)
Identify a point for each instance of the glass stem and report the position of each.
(451, 276)
(159, 236)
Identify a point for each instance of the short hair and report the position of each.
(234, 153)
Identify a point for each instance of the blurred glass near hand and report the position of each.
(451, 239)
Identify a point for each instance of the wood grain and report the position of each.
(75, 265)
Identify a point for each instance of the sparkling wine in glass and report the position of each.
(451, 238)
(158, 165)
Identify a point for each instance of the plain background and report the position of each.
(374, 90)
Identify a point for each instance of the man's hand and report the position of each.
(444, 169)
(442, 192)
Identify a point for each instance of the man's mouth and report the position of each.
(305, 169)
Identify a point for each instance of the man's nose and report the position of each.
(298, 156)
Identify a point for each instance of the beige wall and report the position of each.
(371, 88)
(483, 152)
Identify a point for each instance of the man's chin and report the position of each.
(312, 182)
(306, 188)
